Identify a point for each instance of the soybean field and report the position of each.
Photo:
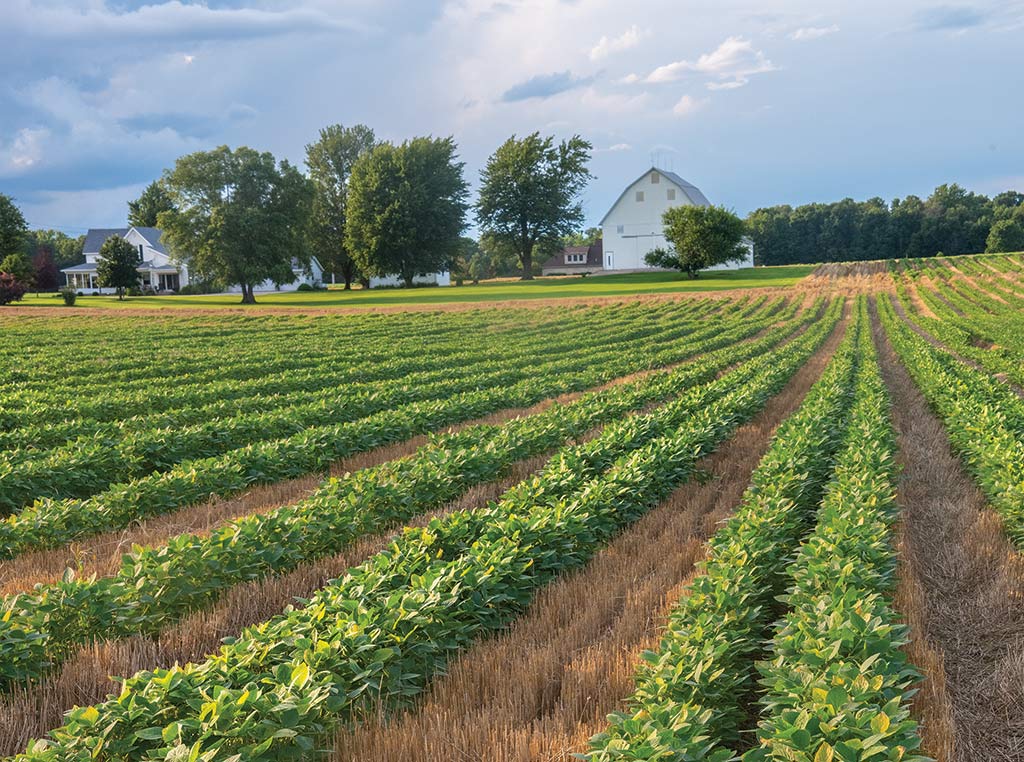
(780, 525)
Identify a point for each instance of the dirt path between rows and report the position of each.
(962, 586)
(84, 679)
(541, 689)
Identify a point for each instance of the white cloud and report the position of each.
(732, 64)
(606, 46)
(99, 23)
(813, 32)
(729, 84)
(630, 79)
(688, 105)
(617, 148)
(24, 152)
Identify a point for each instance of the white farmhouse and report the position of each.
(633, 226)
(156, 270)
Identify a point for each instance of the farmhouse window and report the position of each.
(620, 229)
(639, 195)
(655, 178)
(575, 259)
(671, 194)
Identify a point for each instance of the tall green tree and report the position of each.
(20, 266)
(530, 193)
(330, 161)
(238, 217)
(1006, 235)
(13, 228)
(116, 266)
(700, 236)
(144, 211)
(66, 251)
(406, 208)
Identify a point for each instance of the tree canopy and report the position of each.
(952, 221)
(116, 266)
(20, 266)
(330, 161)
(13, 228)
(238, 217)
(64, 249)
(145, 210)
(406, 208)
(530, 193)
(701, 237)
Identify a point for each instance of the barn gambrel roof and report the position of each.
(692, 193)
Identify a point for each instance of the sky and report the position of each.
(755, 103)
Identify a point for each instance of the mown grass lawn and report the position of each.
(499, 291)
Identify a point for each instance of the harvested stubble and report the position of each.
(540, 691)
(86, 678)
(961, 589)
(101, 554)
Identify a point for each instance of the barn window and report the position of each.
(639, 195)
(671, 194)
(655, 178)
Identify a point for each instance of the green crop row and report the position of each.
(690, 695)
(970, 336)
(86, 466)
(157, 585)
(98, 402)
(51, 523)
(100, 354)
(982, 415)
(201, 403)
(837, 684)
(378, 634)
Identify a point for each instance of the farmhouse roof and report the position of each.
(594, 252)
(152, 236)
(96, 237)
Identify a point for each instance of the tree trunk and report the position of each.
(248, 297)
(348, 274)
(120, 294)
(527, 258)
(408, 279)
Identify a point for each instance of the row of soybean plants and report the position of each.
(52, 523)
(345, 361)
(110, 358)
(834, 685)
(984, 417)
(98, 351)
(377, 635)
(250, 350)
(969, 335)
(158, 585)
(112, 413)
(89, 464)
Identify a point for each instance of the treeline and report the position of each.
(364, 208)
(950, 221)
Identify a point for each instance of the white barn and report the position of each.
(633, 227)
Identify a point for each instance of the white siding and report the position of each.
(633, 227)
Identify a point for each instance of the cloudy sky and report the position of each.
(755, 103)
